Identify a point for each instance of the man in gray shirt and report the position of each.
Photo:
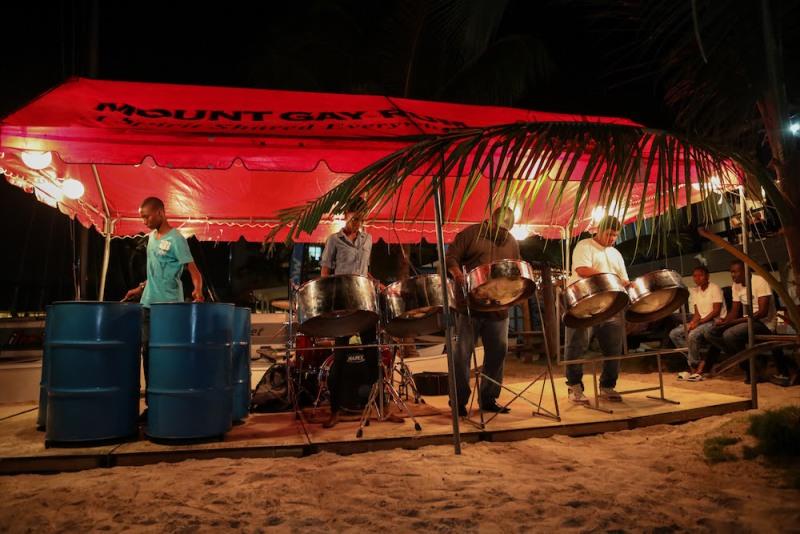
(347, 252)
(474, 246)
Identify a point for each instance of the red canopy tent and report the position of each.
(225, 160)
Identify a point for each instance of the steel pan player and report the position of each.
(348, 252)
(592, 256)
(474, 246)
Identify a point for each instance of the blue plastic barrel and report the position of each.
(93, 371)
(189, 393)
(41, 419)
(241, 363)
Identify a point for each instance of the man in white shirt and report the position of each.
(594, 256)
(706, 304)
(730, 333)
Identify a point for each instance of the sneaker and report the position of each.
(576, 394)
(610, 394)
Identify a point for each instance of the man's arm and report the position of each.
(197, 282)
(455, 254)
(328, 257)
(135, 293)
(763, 308)
(733, 314)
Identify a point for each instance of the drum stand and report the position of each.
(624, 356)
(377, 397)
(536, 403)
(406, 386)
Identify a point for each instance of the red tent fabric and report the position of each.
(225, 160)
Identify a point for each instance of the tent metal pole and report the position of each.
(107, 230)
(749, 289)
(448, 321)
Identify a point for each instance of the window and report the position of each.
(314, 252)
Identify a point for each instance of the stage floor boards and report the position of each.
(22, 448)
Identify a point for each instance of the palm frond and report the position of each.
(522, 161)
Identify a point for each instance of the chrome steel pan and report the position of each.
(413, 307)
(500, 284)
(655, 295)
(334, 306)
(594, 299)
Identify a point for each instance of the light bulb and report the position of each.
(73, 188)
(36, 160)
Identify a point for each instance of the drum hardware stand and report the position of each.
(377, 401)
(406, 382)
(660, 387)
(537, 404)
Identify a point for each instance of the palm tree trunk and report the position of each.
(773, 108)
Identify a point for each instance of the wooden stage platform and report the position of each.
(22, 447)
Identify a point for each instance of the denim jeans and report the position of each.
(694, 340)
(494, 333)
(609, 334)
(733, 339)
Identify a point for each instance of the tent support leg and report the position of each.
(448, 321)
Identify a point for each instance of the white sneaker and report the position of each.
(576, 394)
(610, 394)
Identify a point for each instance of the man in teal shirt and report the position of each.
(167, 253)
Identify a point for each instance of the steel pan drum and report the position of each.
(413, 307)
(335, 306)
(500, 284)
(594, 299)
(655, 295)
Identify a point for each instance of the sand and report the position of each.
(648, 479)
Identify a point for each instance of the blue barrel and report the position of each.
(93, 371)
(189, 393)
(241, 363)
(41, 419)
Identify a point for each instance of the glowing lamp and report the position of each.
(36, 160)
(520, 232)
(73, 189)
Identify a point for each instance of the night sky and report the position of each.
(574, 65)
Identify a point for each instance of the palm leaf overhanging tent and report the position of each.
(565, 171)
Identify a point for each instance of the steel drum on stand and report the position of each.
(499, 285)
(93, 371)
(336, 306)
(241, 363)
(413, 307)
(189, 393)
(594, 299)
(656, 295)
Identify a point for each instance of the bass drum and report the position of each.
(356, 378)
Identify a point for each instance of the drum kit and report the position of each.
(650, 297)
(340, 306)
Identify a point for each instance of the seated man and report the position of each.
(730, 334)
(706, 304)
